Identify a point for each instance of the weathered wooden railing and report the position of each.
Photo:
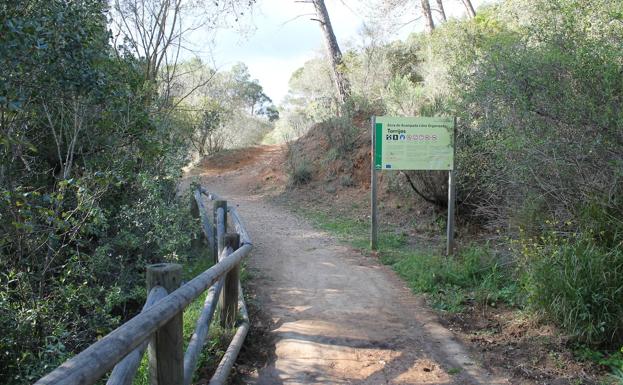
(159, 325)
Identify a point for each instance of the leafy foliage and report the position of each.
(575, 278)
(535, 85)
(87, 184)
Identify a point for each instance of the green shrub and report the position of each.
(301, 173)
(88, 175)
(534, 84)
(610, 359)
(578, 283)
(341, 133)
(298, 167)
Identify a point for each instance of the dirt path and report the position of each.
(337, 317)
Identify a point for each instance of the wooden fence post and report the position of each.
(196, 242)
(194, 207)
(218, 240)
(229, 294)
(166, 350)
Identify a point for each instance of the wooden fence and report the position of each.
(159, 325)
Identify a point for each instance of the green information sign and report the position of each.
(424, 143)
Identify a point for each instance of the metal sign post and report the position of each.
(450, 229)
(451, 199)
(373, 206)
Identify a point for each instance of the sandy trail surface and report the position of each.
(338, 317)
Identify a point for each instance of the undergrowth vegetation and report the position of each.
(576, 282)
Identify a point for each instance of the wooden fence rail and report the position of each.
(159, 325)
(201, 332)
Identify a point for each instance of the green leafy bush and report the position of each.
(87, 184)
(341, 133)
(300, 173)
(612, 360)
(577, 279)
(534, 92)
(535, 86)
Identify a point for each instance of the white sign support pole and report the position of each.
(451, 199)
(373, 205)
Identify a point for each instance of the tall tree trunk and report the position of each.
(441, 10)
(333, 50)
(428, 16)
(470, 8)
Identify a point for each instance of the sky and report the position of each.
(280, 37)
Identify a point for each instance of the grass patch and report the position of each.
(577, 282)
(454, 371)
(451, 282)
(474, 275)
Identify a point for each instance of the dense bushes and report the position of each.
(577, 283)
(537, 89)
(575, 277)
(87, 184)
(539, 106)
